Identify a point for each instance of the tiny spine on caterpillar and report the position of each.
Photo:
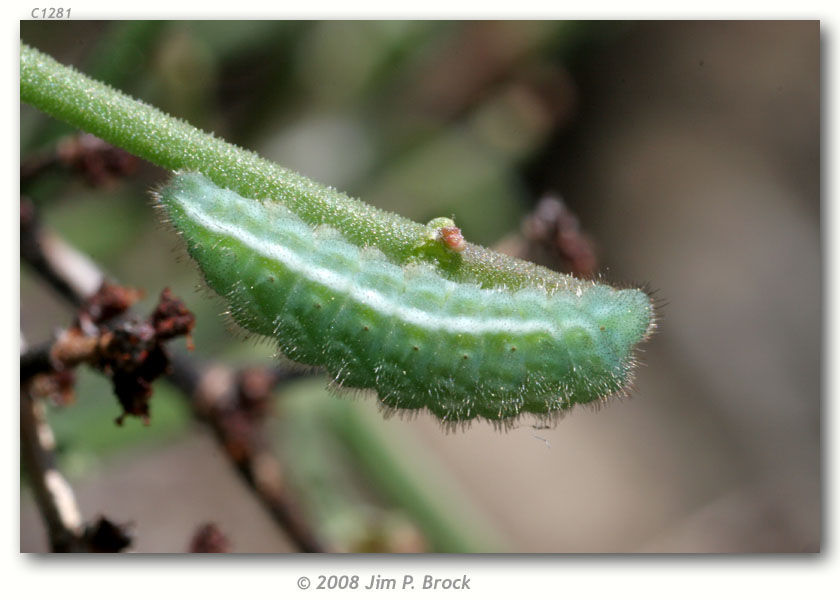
(422, 333)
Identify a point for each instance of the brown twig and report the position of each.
(103, 535)
(69, 272)
(551, 235)
(97, 161)
(36, 165)
(208, 538)
(130, 352)
(231, 403)
(234, 403)
(53, 494)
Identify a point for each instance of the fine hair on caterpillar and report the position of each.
(424, 332)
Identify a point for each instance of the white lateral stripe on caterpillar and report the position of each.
(369, 297)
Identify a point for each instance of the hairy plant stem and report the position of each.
(147, 132)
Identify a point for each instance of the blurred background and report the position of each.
(690, 151)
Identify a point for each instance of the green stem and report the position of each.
(117, 57)
(410, 482)
(149, 133)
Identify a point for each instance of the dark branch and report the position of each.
(209, 538)
(98, 162)
(551, 235)
(67, 271)
(53, 494)
(233, 404)
(232, 410)
(130, 352)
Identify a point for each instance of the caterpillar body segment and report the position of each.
(418, 336)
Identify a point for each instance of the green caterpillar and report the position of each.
(421, 333)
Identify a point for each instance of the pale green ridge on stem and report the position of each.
(147, 132)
